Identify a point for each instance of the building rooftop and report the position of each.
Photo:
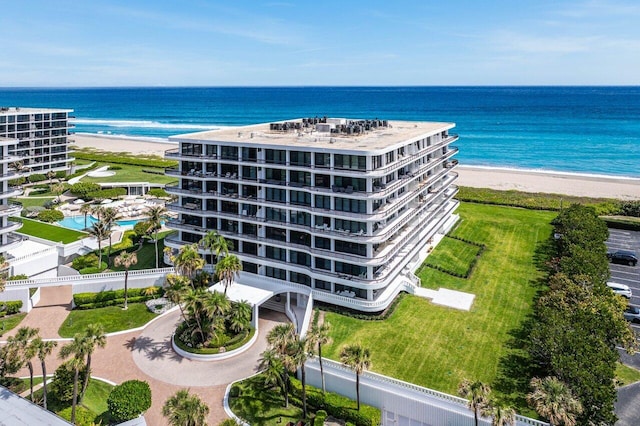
(330, 133)
(15, 411)
(20, 110)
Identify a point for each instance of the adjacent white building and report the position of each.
(344, 207)
(33, 140)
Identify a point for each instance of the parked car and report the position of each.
(632, 314)
(621, 289)
(623, 256)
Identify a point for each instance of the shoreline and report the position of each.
(499, 178)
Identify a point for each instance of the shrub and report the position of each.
(115, 167)
(338, 405)
(93, 269)
(37, 177)
(62, 384)
(113, 297)
(18, 277)
(50, 216)
(321, 416)
(142, 228)
(82, 189)
(84, 417)
(128, 400)
(18, 181)
(106, 193)
(158, 192)
(61, 174)
(87, 261)
(11, 307)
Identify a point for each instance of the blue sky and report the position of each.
(276, 43)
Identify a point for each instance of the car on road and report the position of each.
(623, 256)
(632, 314)
(621, 289)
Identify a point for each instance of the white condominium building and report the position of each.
(33, 140)
(345, 207)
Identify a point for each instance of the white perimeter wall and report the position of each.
(135, 281)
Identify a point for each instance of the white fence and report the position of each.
(401, 403)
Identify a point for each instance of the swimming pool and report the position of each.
(78, 223)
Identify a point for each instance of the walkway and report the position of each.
(148, 356)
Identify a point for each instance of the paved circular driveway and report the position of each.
(153, 355)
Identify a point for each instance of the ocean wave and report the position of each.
(129, 137)
(146, 124)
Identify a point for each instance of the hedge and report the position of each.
(37, 177)
(376, 316)
(109, 157)
(93, 269)
(158, 192)
(82, 189)
(337, 405)
(50, 216)
(128, 400)
(91, 300)
(233, 343)
(11, 307)
(103, 194)
(627, 224)
(18, 277)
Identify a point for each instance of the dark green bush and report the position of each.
(113, 297)
(622, 223)
(18, 277)
(158, 192)
(18, 181)
(87, 261)
(62, 384)
(11, 307)
(338, 405)
(82, 189)
(115, 167)
(37, 177)
(93, 269)
(61, 174)
(128, 400)
(106, 193)
(50, 216)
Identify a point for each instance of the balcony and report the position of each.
(13, 208)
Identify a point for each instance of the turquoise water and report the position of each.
(572, 129)
(77, 222)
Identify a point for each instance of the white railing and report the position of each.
(89, 278)
(34, 254)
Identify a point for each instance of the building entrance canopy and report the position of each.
(238, 292)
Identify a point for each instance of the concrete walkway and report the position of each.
(148, 356)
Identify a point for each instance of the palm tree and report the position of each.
(126, 260)
(175, 290)
(100, 231)
(240, 316)
(51, 175)
(97, 210)
(300, 350)
(109, 218)
(500, 415)
(156, 214)
(25, 336)
(227, 269)
(359, 359)
(43, 350)
(86, 209)
(279, 339)
(183, 409)
(57, 189)
(553, 399)
(195, 304)
(272, 367)
(216, 243)
(94, 336)
(477, 393)
(76, 350)
(188, 260)
(319, 335)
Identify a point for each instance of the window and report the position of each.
(299, 258)
(323, 285)
(298, 237)
(299, 158)
(250, 248)
(229, 207)
(276, 156)
(249, 172)
(277, 195)
(276, 176)
(322, 181)
(322, 263)
(348, 205)
(322, 221)
(229, 152)
(300, 218)
(350, 269)
(277, 273)
(323, 243)
(249, 155)
(249, 229)
(351, 225)
(252, 268)
(353, 162)
(300, 198)
(357, 184)
(276, 215)
(299, 178)
(322, 160)
(276, 253)
(299, 278)
(350, 247)
(323, 202)
(276, 234)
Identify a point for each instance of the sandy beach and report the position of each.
(479, 177)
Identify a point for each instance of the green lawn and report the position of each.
(128, 173)
(453, 255)
(49, 232)
(10, 322)
(437, 347)
(92, 409)
(32, 202)
(626, 375)
(262, 406)
(146, 256)
(113, 318)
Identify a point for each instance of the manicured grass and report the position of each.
(146, 256)
(438, 347)
(128, 173)
(49, 232)
(453, 255)
(32, 202)
(10, 322)
(113, 318)
(92, 409)
(261, 406)
(626, 375)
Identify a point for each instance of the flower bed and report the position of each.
(159, 306)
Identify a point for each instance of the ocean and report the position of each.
(591, 130)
